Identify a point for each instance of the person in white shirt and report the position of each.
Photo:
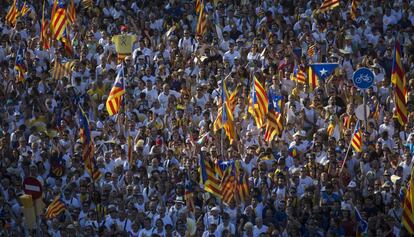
(231, 54)
(226, 225)
(166, 94)
(187, 42)
(259, 227)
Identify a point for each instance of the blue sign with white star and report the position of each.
(323, 70)
(363, 78)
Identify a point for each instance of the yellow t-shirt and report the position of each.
(124, 43)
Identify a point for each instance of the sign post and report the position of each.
(363, 78)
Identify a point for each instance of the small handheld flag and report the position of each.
(323, 70)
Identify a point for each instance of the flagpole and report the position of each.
(347, 152)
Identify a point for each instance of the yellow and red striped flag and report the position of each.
(258, 102)
(72, 12)
(242, 183)
(274, 124)
(328, 5)
(59, 19)
(232, 105)
(198, 5)
(311, 50)
(202, 22)
(25, 9)
(67, 43)
(399, 81)
(330, 130)
(61, 70)
(44, 36)
(12, 14)
(313, 79)
(356, 140)
(227, 114)
(300, 77)
(113, 103)
(208, 177)
(228, 184)
(56, 207)
(408, 206)
(354, 7)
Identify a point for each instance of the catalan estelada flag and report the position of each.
(354, 7)
(189, 194)
(208, 177)
(20, 66)
(198, 5)
(59, 19)
(56, 207)
(356, 140)
(399, 81)
(328, 5)
(113, 103)
(44, 33)
(88, 146)
(228, 184)
(300, 77)
(312, 79)
(232, 105)
(12, 14)
(71, 12)
(408, 206)
(242, 183)
(311, 50)
(227, 115)
(362, 225)
(202, 22)
(258, 103)
(274, 124)
(61, 70)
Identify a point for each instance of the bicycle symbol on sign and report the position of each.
(364, 78)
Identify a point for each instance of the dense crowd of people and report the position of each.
(300, 184)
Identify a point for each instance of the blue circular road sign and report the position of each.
(363, 78)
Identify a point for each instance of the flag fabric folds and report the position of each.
(71, 12)
(328, 5)
(56, 207)
(300, 77)
(24, 10)
(311, 51)
(208, 177)
(399, 81)
(61, 70)
(20, 66)
(88, 146)
(312, 79)
(362, 225)
(258, 103)
(228, 184)
(202, 22)
(67, 44)
(198, 5)
(12, 14)
(59, 19)
(44, 36)
(274, 124)
(113, 103)
(189, 194)
(323, 70)
(356, 140)
(232, 104)
(354, 7)
(242, 183)
(227, 114)
(408, 206)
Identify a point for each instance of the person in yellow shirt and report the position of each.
(123, 43)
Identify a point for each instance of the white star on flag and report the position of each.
(323, 71)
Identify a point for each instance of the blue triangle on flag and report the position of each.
(323, 70)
